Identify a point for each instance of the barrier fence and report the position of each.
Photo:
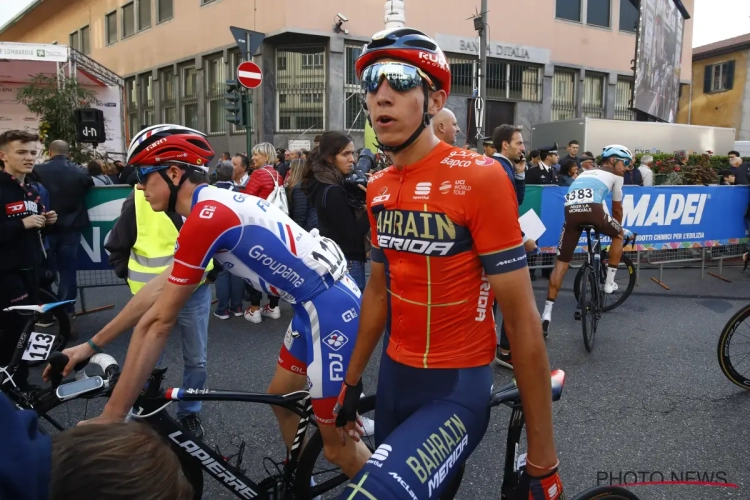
(676, 225)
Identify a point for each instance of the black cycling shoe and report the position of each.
(193, 424)
(545, 327)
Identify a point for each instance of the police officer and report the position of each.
(544, 173)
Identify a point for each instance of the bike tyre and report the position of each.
(62, 322)
(628, 266)
(314, 449)
(725, 363)
(606, 493)
(586, 304)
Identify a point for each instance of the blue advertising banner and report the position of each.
(104, 204)
(665, 216)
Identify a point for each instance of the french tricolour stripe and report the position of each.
(291, 239)
(173, 394)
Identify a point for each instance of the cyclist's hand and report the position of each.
(529, 246)
(51, 217)
(75, 355)
(34, 222)
(348, 422)
(627, 233)
(102, 419)
(547, 487)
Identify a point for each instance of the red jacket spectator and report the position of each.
(263, 181)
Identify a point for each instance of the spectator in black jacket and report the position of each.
(740, 169)
(632, 177)
(230, 289)
(67, 184)
(300, 209)
(22, 218)
(341, 215)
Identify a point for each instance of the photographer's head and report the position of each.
(115, 461)
(407, 79)
(263, 154)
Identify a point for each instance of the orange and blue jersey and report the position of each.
(440, 227)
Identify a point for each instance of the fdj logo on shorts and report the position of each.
(335, 340)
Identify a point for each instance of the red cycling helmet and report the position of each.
(160, 144)
(410, 46)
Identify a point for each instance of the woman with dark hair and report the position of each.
(568, 172)
(97, 174)
(301, 209)
(341, 214)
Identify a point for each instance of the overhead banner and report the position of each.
(663, 217)
(104, 204)
(33, 52)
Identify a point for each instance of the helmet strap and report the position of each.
(426, 118)
(173, 190)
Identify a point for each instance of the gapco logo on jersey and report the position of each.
(663, 209)
(286, 272)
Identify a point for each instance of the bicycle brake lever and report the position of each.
(57, 362)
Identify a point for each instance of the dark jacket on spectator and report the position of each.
(337, 219)
(67, 184)
(124, 177)
(741, 174)
(283, 169)
(536, 175)
(633, 178)
(263, 181)
(301, 210)
(518, 184)
(20, 248)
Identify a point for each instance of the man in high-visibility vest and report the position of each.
(142, 245)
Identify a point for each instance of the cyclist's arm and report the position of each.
(372, 318)
(617, 198)
(146, 345)
(504, 261)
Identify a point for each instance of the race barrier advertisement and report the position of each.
(664, 217)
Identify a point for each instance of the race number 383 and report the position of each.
(583, 195)
(38, 347)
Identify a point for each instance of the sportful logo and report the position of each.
(422, 192)
(680, 209)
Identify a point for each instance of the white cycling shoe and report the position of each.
(610, 288)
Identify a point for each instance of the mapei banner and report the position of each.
(663, 217)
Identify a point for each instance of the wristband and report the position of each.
(94, 346)
(545, 469)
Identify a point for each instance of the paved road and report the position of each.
(650, 398)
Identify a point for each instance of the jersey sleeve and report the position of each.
(376, 253)
(617, 188)
(492, 219)
(211, 227)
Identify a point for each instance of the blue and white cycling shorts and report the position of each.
(319, 343)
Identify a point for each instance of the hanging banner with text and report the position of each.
(104, 204)
(663, 217)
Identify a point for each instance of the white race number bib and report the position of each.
(583, 195)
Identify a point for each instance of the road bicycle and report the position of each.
(731, 351)
(588, 285)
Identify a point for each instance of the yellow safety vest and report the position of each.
(153, 250)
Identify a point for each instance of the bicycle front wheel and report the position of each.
(734, 345)
(606, 493)
(625, 279)
(588, 307)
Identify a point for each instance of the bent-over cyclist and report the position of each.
(256, 241)
(585, 206)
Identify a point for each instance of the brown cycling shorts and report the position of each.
(583, 214)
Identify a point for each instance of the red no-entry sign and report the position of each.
(249, 75)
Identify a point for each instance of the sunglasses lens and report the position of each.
(401, 77)
(142, 173)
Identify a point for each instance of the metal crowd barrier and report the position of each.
(96, 279)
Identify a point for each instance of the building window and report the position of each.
(110, 22)
(597, 12)
(85, 40)
(148, 116)
(463, 70)
(569, 10)
(564, 94)
(718, 77)
(128, 20)
(168, 96)
(215, 90)
(354, 113)
(144, 14)
(164, 10)
(593, 95)
(513, 81)
(131, 98)
(629, 15)
(303, 74)
(73, 40)
(623, 94)
(189, 97)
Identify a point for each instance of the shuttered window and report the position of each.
(718, 77)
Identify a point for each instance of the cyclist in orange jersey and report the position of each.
(446, 242)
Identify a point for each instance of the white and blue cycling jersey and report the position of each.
(592, 186)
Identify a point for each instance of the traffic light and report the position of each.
(232, 102)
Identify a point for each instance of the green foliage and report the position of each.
(699, 169)
(54, 102)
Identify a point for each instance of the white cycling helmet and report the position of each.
(618, 151)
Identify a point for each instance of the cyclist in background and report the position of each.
(258, 242)
(441, 253)
(585, 205)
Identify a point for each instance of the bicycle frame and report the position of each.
(594, 259)
(153, 401)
